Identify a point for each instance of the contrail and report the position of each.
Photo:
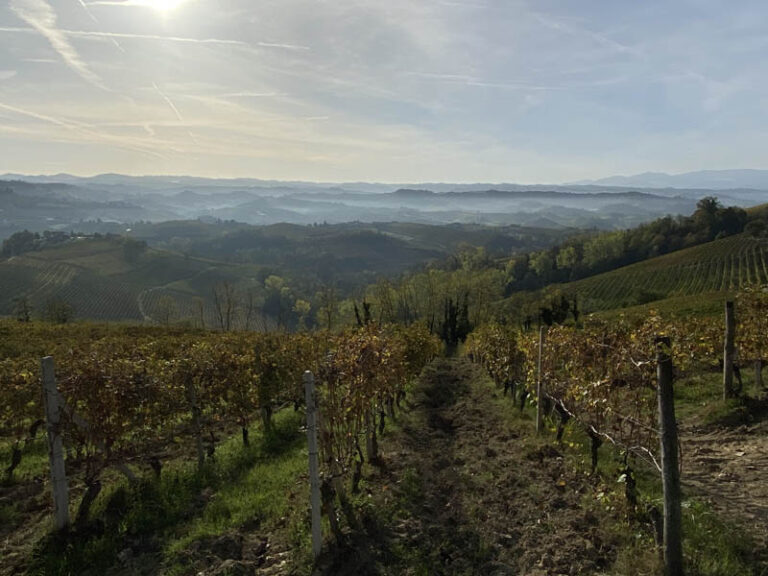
(181, 39)
(40, 15)
(251, 94)
(169, 102)
(79, 127)
(88, 11)
(96, 20)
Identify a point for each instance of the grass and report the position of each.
(34, 459)
(707, 304)
(712, 546)
(699, 400)
(159, 519)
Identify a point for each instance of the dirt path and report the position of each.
(728, 467)
(467, 493)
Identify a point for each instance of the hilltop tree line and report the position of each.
(587, 255)
(25, 241)
(481, 281)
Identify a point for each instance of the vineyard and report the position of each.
(613, 381)
(136, 399)
(93, 277)
(723, 265)
(603, 373)
(158, 417)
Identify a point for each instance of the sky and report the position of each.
(533, 91)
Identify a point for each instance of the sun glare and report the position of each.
(165, 6)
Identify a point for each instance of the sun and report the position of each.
(164, 6)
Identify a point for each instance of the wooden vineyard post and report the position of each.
(539, 391)
(197, 427)
(55, 445)
(730, 334)
(673, 537)
(314, 474)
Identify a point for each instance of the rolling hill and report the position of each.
(712, 269)
(94, 278)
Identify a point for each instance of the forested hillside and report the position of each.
(717, 249)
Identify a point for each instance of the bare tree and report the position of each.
(166, 310)
(201, 311)
(328, 305)
(58, 311)
(383, 292)
(22, 309)
(225, 303)
(251, 310)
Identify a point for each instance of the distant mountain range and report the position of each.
(742, 179)
(709, 179)
(112, 202)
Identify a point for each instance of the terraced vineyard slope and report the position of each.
(98, 282)
(715, 267)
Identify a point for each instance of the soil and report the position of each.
(466, 492)
(726, 465)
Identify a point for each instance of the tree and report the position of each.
(365, 319)
(225, 304)
(543, 264)
(731, 220)
(251, 309)
(757, 228)
(166, 310)
(58, 311)
(302, 308)
(327, 306)
(706, 211)
(133, 249)
(19, 243)
(22, 309)
(200, 305)
(566, 258)
(279, 300)
(455, 326)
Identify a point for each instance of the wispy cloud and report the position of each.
(160, 38)
(251, 94)
(479, 82)
(126, 3)
(515, 88)
(82, 129)
(70, 124)
(40, 15)
(601, 39)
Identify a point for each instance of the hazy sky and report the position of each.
(387, 90)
